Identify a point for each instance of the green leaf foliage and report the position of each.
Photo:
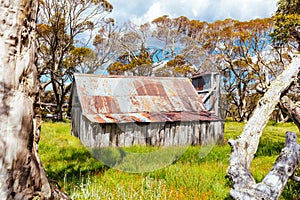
(287, 23)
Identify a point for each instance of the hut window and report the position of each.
(198, 83)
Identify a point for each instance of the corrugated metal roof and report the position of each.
(121, 99)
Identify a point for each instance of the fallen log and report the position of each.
(244, 148)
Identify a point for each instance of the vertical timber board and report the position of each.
(128, 135)
(76, 113)
(113, 138)
(196, 139)
(151, 134)
(176, 133)
(88, 134)
(96, 133)
(208, 136)
(106, 136)
(121, 139)
(221, 137)
(154, 133)
(161, 134)
(148, 135)
(143, 134)
(182, 134)
(81, 127)
(172, 134)
(217, 131)
(82, 131)
(214, 129)
(187, 133)
(117, 135)
(208, 133)
(136, 133)
(167, 139)
(212, 132)
(190, 132)
(78, 121)
(203, 133)
(158, 133)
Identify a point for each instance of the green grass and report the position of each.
(199, 173)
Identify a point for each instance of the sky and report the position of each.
(141, 11)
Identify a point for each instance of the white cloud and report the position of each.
(244, 10)
(140, 11)
(153, 12)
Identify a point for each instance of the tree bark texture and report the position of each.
(22, 175)
(292, 109)
(244, 148)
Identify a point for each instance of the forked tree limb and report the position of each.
(292, 109)
(244, 148)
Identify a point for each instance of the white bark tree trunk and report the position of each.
(22, 175)
(244, 148)
(292, 109)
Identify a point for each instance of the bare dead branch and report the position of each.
(244, 148)
(292, 109)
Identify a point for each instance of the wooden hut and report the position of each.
(124, 111)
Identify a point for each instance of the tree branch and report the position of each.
(296, 178)
(244, 148)
(292, 109)
(272, 185)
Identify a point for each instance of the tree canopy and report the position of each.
(242, 52)
(65, 28)
(287, 24)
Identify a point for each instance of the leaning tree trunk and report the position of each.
(22, 175)
(244, 148)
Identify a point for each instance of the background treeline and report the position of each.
(78, 37)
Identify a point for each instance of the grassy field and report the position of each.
(198, 174)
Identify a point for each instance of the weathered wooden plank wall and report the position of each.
(94, 135)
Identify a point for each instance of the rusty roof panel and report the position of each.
(120, 99)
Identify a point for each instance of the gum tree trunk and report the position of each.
(22, 175)
(243, 149)
(292, 109)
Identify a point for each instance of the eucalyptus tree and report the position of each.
(64, 26)
(286, 35)
(108, 43)
(83, 60)
(244, 55)
(136, 56)
(287, 24)
(22, 174)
